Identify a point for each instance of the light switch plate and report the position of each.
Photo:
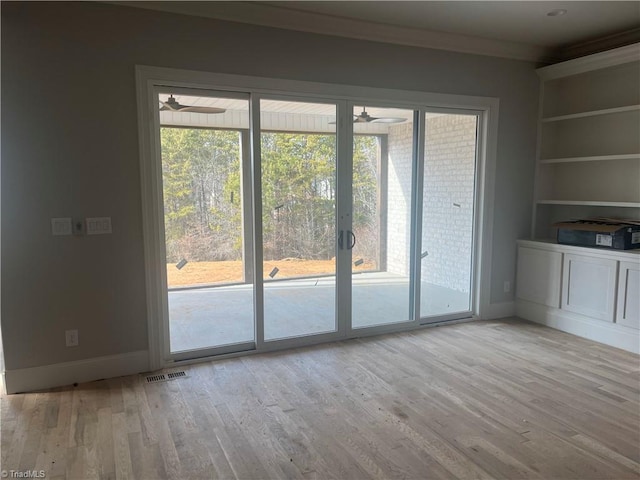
(98, 225)
(61, 226)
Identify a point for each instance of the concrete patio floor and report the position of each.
(216, 316)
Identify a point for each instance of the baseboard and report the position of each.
(499, 310)
(68, 373)
(612, 334)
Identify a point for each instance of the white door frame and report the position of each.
(341, 142)
(480, 166)
(147, 78)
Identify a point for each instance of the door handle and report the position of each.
(353, 238)
(341, 240)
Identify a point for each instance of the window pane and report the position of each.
(298, 161)
(382, 189)
(448, 213)
(204, 217)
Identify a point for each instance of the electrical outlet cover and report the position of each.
(71, 338)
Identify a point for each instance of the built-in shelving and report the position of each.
(594, 158)
(590, 292)
(592, 113)
(590, 203)
(589, 143)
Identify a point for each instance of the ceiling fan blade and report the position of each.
(201, 109)
(364, 117)
(172, 105)
(387, 120)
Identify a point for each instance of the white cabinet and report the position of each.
(538, 276)
(590, 292)
(628, 311)
(589, 148)
(589, 286)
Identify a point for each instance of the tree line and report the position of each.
(203, 200)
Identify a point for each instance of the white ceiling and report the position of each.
(512, 29)
(275, 115)
(522, 22)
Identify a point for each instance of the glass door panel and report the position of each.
(448, 213)
(383, 161)
(204, 149)
(298, 168)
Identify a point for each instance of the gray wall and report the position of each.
(70, 148)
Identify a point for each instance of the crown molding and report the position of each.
(610, 58)
(289, 19)
(600, 44)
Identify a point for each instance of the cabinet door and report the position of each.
(628, 311)
(589, 286)
(538, 277)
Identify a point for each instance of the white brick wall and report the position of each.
(400, 141)
(448, 182)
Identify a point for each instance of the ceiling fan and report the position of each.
(364, 117)
(172, 105)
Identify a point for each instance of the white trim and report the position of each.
(621, 255)
(80, 371)
(149, 194)
(343, 221)
(256, 13)
(148, 78)
(592, 113)
(256, 209)
(486, 171)
(592, 158)
(610, 58)
(276, 86)
(608, 333)
(499, 310)
(590, 203)
(417, 214)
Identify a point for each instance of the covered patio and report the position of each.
(204, 317)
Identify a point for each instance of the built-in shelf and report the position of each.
(590, 203)
(588, 166)
(552, 244)
(595, 158)
(588, 159)
(593, 113)
(587, 291)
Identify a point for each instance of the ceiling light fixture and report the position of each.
(556, 13)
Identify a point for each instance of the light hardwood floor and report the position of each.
(501, 399)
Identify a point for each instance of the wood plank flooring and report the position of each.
(501, 399)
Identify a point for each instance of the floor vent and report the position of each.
(165, 377)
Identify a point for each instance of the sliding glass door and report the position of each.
(207, 221)
(288, 220)
(382, 179)
(448, 214)
(299, 191)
